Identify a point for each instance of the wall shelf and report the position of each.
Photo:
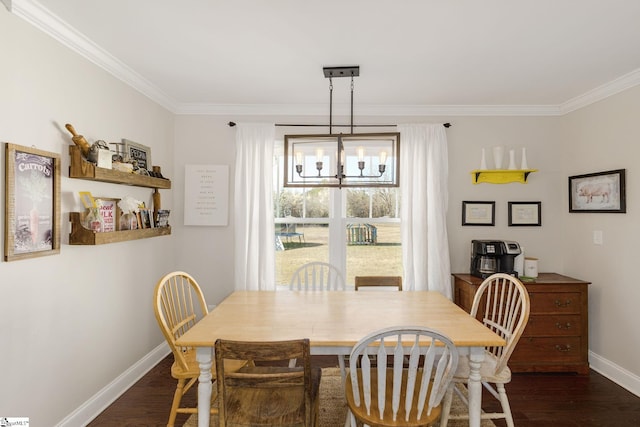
(501, 176)
(82, 236)
(82, 169)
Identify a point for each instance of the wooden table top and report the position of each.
(333, 318)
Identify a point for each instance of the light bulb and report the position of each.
(319, 154)
(383, 157)
(299, 158)
(360, 154)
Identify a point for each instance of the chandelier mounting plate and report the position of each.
(349, 71)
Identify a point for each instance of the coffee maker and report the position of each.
(493, 256)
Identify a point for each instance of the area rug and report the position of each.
(333, 407)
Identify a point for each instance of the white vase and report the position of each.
(512, 159)
(498, 155)
(483, 161)
(524, 165)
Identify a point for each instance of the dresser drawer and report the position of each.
(553, 325)
(537, 350)
(555, 302)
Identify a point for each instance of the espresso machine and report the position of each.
(493, 256)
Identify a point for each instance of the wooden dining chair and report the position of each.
(317, 276)
(408, 389)
(266, 392)
(378, 282)
(502, 304)
(178, 304)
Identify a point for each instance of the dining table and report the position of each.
(334, 321)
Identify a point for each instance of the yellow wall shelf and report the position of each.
(501, 176)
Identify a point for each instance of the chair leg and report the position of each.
(506, 408)
(446, 405)
(177, 397)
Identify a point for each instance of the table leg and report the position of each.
(476, 356)
(204, 356)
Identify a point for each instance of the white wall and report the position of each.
(73, 322)
(605, 136)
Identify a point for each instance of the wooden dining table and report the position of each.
(334, 321)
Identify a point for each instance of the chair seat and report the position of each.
(487, 370)
(373, 419)
(192, 369)
(275, 404)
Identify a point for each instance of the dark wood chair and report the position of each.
(267, 392)
(378, 282)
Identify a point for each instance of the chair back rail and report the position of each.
(317, 276)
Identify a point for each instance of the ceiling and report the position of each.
(416, 56)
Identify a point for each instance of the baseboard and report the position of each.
(105, 397)
(615, 373)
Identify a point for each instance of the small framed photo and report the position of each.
(32, 203)
(145, 218)
(598, 192)
(138, 152)
(162, 219)
(525, 214)
(478, 213)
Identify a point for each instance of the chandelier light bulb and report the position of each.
(299, 158)
(360, 154)
(383, 157)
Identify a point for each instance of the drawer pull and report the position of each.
(563, 304)
(565, 326)
(563, 348)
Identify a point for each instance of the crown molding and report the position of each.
(611, 88)
(40, 17)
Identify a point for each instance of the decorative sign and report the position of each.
(206, 200)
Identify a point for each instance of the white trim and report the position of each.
(105, 397)
(615, 373)
(611, 88)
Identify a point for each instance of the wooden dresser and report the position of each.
(556, 338)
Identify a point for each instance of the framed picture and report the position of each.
(32, 203)
(525, 214)
(138, 152)
(110, 213)
(145, 218)
(478, 213)
(162, 220)
(598, 192)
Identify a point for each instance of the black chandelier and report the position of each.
(342, 160)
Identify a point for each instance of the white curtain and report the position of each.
(254, 229)
(423, 186)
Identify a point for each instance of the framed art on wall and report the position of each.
(525, 214)
(32, 203)
(598, 192)
(478, 213)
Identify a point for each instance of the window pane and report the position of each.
(382, 257)
(372, 203)
(299, 245)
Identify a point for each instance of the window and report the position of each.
(355, 229)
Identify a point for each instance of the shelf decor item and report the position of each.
(139, 153)
(32, 203)
(598, 192)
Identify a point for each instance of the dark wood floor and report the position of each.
(558, 400)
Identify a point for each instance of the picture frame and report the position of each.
(138, 152)
(145, 219)
(478, 213)
(162, 219)
(525, 214)
(602, 192)
(32, 203)
(110, 213)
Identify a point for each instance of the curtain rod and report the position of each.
(232, 124)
